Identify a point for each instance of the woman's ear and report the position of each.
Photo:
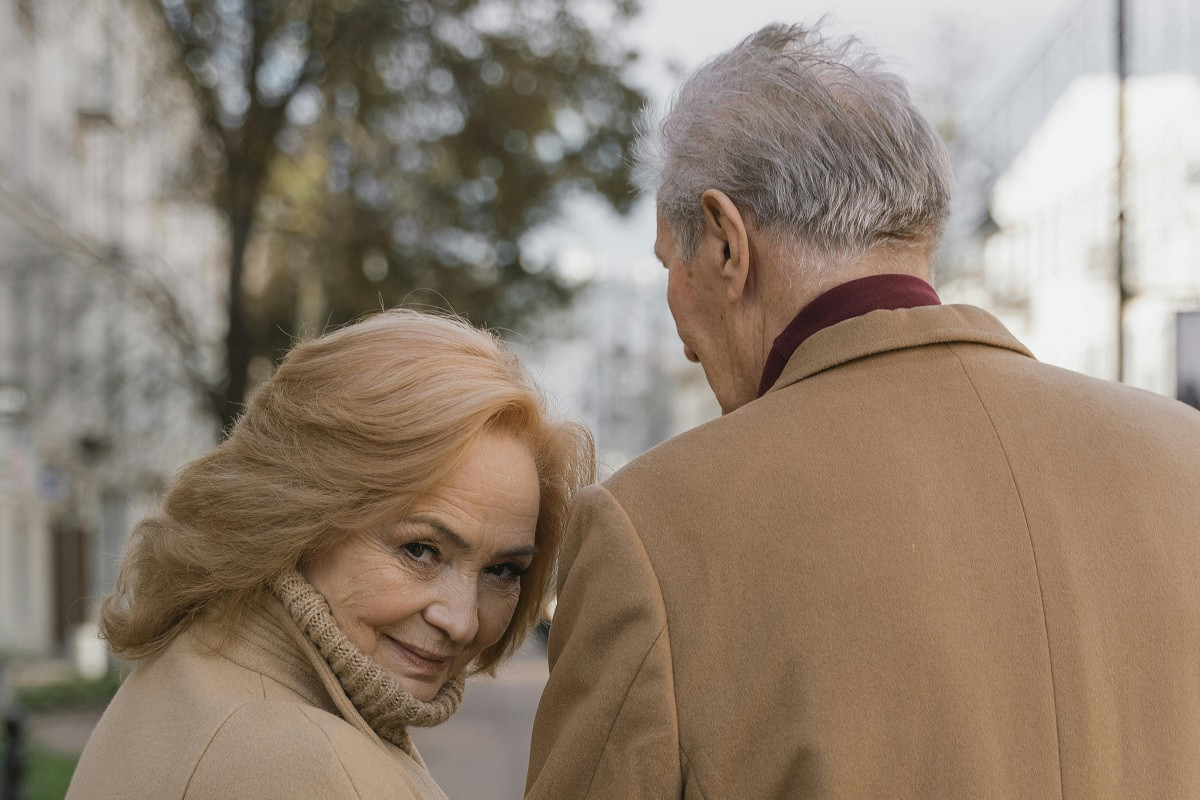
(724, 221)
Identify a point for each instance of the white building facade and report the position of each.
(1045, 257)
(111, 285)
(613, 360)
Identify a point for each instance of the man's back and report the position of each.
(924, 565)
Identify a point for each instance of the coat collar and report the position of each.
(269, 642)
(884, 331)
(377, 695)
(842, 302)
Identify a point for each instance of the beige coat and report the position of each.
(924, 565)
(266, 718)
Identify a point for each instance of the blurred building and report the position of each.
(1036, 236)
(110, 283)
(614, 361)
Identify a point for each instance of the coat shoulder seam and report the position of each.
(242, 706)
(621, 707)
(1032, 550)
(664, 630)
(187, 787)
(349, 778)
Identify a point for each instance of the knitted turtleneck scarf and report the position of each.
(379, 698)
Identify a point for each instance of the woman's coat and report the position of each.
(257, 715)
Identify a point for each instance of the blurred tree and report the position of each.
(370, 148)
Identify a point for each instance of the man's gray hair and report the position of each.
(809, 137)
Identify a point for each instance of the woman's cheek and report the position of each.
(497, 612)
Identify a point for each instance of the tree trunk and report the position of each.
(237, 350)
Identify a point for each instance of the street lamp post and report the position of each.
(1123, 293)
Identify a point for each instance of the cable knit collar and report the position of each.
(377, 696)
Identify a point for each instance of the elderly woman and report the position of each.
(382, 522)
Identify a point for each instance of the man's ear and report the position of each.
(724, 222)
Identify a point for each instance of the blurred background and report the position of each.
(188, 185)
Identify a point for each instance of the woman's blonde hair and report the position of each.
(351, 430)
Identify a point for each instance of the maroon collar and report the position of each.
(843, 302)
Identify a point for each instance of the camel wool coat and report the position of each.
(924, 565)
(263, 717)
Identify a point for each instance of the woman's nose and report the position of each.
(456, 609)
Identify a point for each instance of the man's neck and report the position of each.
(795, 288)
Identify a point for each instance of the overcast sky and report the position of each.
(910, 33)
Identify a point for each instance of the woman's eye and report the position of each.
(419, 551)
(507, 571)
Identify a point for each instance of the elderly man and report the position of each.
(909, 561)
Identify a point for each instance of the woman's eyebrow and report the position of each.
(461, 543)
(518, 552)
(443, 529)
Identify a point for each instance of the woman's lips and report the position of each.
(421, 661)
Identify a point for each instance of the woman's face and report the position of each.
(427, 594)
